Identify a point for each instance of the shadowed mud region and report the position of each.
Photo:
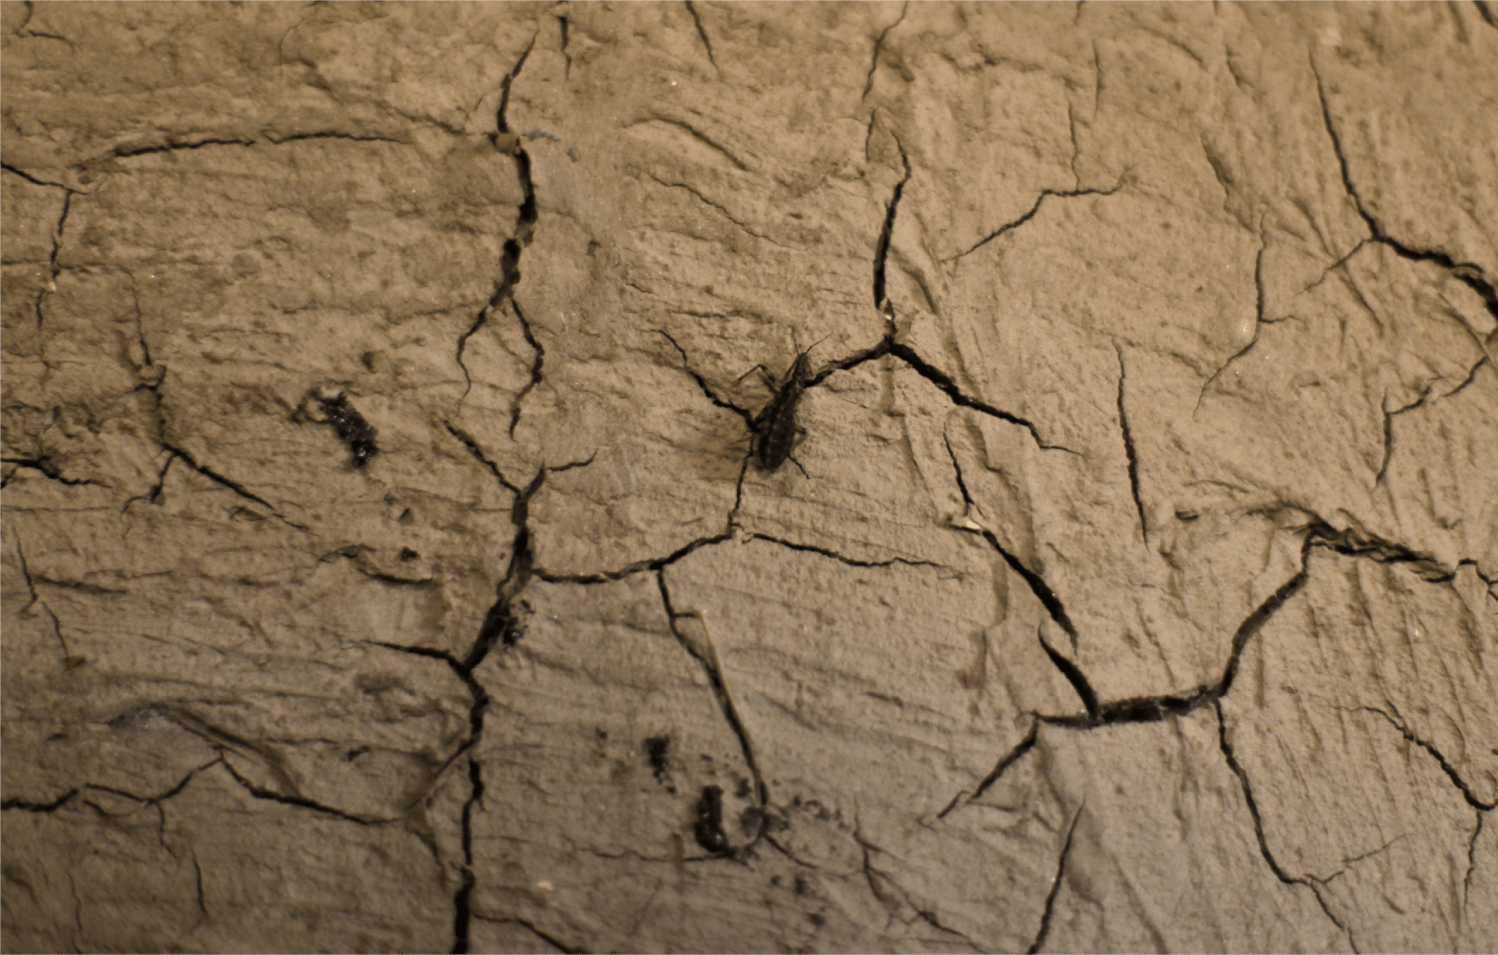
(732, 477)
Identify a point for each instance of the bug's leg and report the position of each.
(759, 368)
(792, 459)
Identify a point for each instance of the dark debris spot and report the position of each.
(408, 554)
(799, 887)
(750, 820)
(744, 790)
(816, 918)
(709, 826)
(500, 624)
(657, 747)
(352, 429)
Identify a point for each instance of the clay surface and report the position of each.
(399, 553)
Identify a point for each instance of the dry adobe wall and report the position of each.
(386, 567)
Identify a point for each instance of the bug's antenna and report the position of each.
(814, 344)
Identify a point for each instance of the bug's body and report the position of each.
(775, 426)
(773, 431)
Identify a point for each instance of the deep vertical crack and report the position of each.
(502, 626)
(25, 574)
(52, 270)
(886, 234)
(1331, 130)
(1255, 621)
(967, 497)
(501, 623)
(868, 80)
(1048, 600)
(197, 868)
(1074, 675)
(1389, 416)
(1056, 882)
(1253, 810)
(1472, 858)
(68, 660)
(463, 897)
(151, 376)
(535, 378)
(712, 666)
(1076, 150)
(1259, 281)
(1037, 585)
(1128, 441)
(702, 34)
(509, 258)
(1248, 798)
(496, 300)
(564, 27)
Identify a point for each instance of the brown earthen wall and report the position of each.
(386, 567)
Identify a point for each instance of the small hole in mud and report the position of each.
(658, 749)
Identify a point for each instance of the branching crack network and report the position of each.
(1465, 272)
(503, 622)
(509, 260)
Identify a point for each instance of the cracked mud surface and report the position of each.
(393, 559)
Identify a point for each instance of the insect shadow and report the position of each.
(773, 430)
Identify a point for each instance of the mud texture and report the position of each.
(420, 534)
